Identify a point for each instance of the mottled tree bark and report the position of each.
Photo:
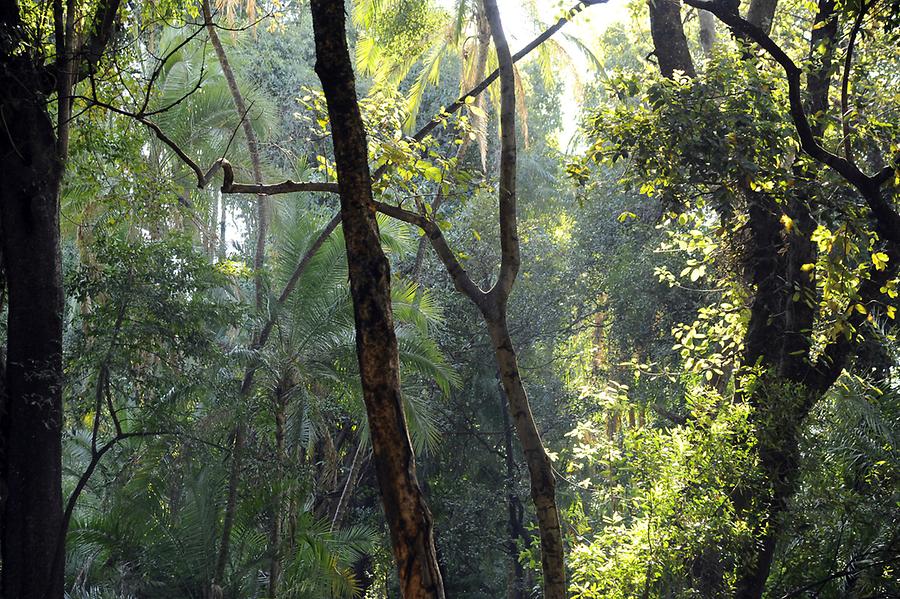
(408, 516)
(494, 308)
(540, 469)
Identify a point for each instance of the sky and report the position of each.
(520, 27)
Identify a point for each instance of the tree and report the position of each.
(34, 155)
(493, 307)
(409, 519)
(791, 354)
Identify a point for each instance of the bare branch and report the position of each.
(292, 187)
(461, 279)
(161, 63)
(102, 27)
(229, 186)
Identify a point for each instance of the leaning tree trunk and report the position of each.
(340, 511)
(493, 307)
(540, 469)
(262, 212)
(408, 516)
(32, 422)
(542, 477)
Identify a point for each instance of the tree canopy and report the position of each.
(469, 298)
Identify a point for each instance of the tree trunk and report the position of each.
(540, 469)
(707, 31)
(515, 579)
(258, 283)
(32, 422)
(234, 478)
(262, 217)
(280, 405)
(493, 308)
(340, 512)
(223, 216)
(493, 304)
(778, 335)
(669, 42)
(408, 516)
(762, 13)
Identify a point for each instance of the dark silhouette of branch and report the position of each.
(869, 186)
(841, 574)
(293, 187)
(845, 81)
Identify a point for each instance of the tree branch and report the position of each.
(843, 573)
(845, 81)
(461, 279)
(293, 187)
(475, 91)
(103, 27)
(509, 236)
(887, 219)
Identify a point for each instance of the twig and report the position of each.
(845, 81)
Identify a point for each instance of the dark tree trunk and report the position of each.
(779, 333)
(669, 42)
(778, 340)
(32, 422)
(408, 516)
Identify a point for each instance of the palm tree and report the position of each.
(311, 372)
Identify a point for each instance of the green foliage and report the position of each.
(657, 505)
(629, 315)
